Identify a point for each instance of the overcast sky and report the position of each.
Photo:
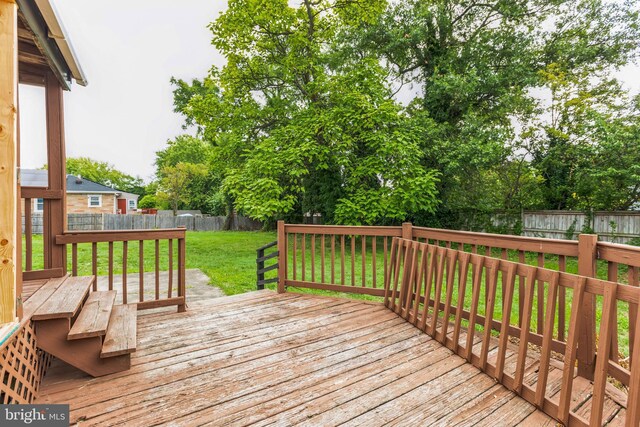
(129, 49)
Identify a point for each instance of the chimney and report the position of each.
(79, 179)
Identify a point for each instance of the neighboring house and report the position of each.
(83, 195)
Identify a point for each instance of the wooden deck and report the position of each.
(264, 358)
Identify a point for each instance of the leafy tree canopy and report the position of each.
(302, 123)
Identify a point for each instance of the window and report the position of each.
(38, 205)
(95, 201)
(132, 204)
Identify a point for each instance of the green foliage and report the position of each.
(301, 123)
(171, 188)
(197, 155)
(104, 173)
(515, 106)
(148, 201)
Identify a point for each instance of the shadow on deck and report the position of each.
(265, 358)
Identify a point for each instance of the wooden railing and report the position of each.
(116, 250)
(261, 258)
(440, 290)
(354, 260)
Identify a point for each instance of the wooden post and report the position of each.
(282, 257)
(407, 230)
(587, 255)
(182, 288)
(55, 211)
(10, 234)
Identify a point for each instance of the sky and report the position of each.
(129, 50)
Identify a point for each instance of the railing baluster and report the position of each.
(384, 254)
(492, 284)
(303, 255)
(525, 328)
(564, 405)
(353, 260)
(94, 264)
(507, 305)
(363, 256)
(540, 317)
(110, 261)
(612, 276)
(462, 289)
(295, 252)
(125, 254)
(373, 260)
(521, 289)
(322, 257)
(475, 301)
(313, 257)
(562, 300)
(157, 269)
(633, 309)
(333, 258)
(74, 259)
(342, 260)
(170, 290)
(141, 272)
(547, 337)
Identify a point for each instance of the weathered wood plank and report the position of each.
(66, 300)
(93, 319)
(121, 333)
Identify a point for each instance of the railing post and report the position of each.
(282, 257)
(407, 230)
(181, 273)
(587, 258)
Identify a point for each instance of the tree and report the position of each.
(104, 173)
(478, 68)
(175, 179)
(201, 187)
(303, 123)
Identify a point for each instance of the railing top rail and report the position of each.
(91, 236)
(267, 246)
(344, 230)
(532, 244)
(623, 254)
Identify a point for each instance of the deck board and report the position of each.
(268, 359)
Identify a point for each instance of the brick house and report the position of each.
(83, 195)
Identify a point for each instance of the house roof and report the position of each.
(75, 184)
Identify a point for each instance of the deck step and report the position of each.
(121, 333)
(66, 300)
(94, 316)
(41, 296)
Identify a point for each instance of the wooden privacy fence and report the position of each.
(355, 260)
(116, 250)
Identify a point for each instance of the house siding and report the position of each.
(79, 203)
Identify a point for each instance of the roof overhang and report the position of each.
(50, 37)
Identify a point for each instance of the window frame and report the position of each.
(38, 202)
(89, 199)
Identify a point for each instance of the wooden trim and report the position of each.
(336, 288)
(55, 211)
(41, 193)
(344, 230)
(118, 235)
(43, 274)
(10, 234)
(530, 244)
(146, 305)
